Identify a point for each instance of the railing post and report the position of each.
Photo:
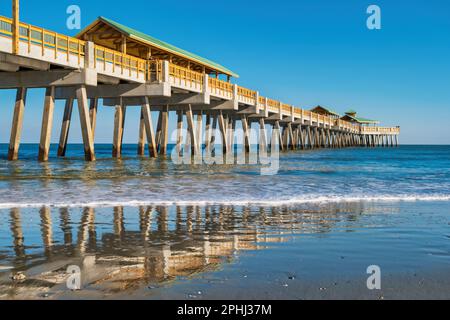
(15, 27)
(257, 101)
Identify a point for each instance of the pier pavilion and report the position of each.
(124, 67)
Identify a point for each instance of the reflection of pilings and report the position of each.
(86, 230)
(65, 225)
(145, 221)
(119, 227)
(198, 218)
(46, 229)
(162, 219)
(179, 220)
(225, 231)
(17, 232)
(189, 214)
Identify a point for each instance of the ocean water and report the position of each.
(404, 173)
(149, 228)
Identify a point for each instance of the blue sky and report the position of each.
(300, 52)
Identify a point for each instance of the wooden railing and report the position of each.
(262, 100)
(307, 114)
(31, 35)
(119, 61)
(273, 105)
(186, 77)
(217, 86)
(380, 130)
(246, 93)
(286, 108)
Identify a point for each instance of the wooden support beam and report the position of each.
(147, 117)
(310, 140)
(93, 109)
(223, 130)
(47, 123)
(301, 137)
(208, 132)
(262, 136)
(285, 141)
(295, 133)
(179, 131)
(159, 131)
(277, 127)
(324, 138)
(246, 131)
(16, 129)
(329, 139)
(65, 128)
(191, 129)
(119, 123)
(85, 122)
(230, 137)
(164, 131)
(141, 138)
(213, 134)
(234, 145)
(199, 130)
(316, 137)
(290, 134)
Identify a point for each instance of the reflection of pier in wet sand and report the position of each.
(169, 243)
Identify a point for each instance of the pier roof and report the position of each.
(320, 109)
(359, 120)
(104, 35)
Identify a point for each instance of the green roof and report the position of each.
(137, 35)
(350, 111)
(328, 110)
(362, 120)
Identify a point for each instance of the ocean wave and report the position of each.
(231, 202)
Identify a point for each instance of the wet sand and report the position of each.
(228, 252)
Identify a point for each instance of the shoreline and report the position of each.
(243, 203)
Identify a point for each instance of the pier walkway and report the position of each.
(124, 68)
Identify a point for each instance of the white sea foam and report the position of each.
(231, 202)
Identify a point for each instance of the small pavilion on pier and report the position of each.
(116, 36)
(326, 112)
(352, 116)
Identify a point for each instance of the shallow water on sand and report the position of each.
(150, 229)
(193, 252)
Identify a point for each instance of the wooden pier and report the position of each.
(127, 68)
